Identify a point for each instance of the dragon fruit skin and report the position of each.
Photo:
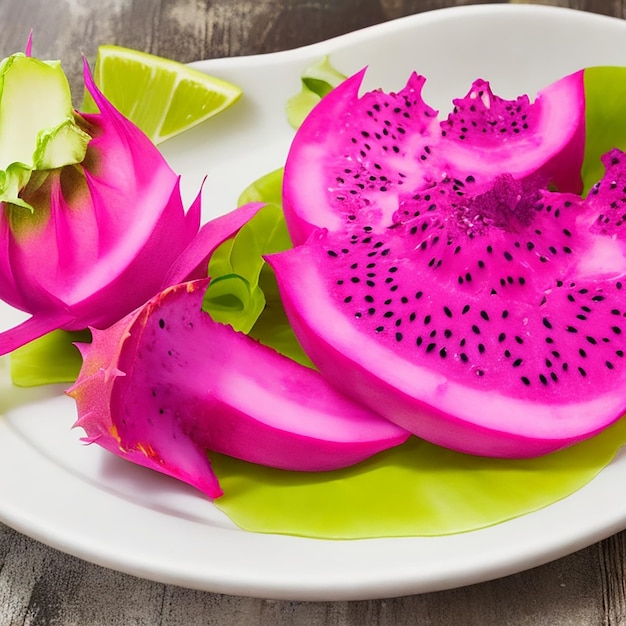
(368, 150)
(476, 309)
(102, 235)
(167, 383)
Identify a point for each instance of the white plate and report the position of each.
(88, 503)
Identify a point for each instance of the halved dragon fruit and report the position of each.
(451, 290)
(167, 383)
(353, 157)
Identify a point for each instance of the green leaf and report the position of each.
(318, 79)
(50, 359)
(273, 328)
(234, 296)
(605, 118)
(417, 489)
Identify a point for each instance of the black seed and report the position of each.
(447, 311)
(388, 314)
(481, 348)
(418, 295)
(571, 329)
(505, 314)
(554, 377)
(398, 336)
(616, 329)
(464, 357)
(332, 253)
(447, 333)
(466, 308)
(582, 372)
(546, 322)
(609, 365)
(501, 337)
(379, 329)
(517, 362)
(430, 347)
(525, 380)
(161, 323)
(508, 256)
(476, 329)
(519, 339)
(591, 340)
(427, 319)
(582, 353)
(543, 379)
(355, 279)
(484, 315)
(347, 299)
(620, 353)
(443, 353)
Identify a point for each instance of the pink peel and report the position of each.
(167, 383)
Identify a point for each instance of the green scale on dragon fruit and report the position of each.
(441, 279)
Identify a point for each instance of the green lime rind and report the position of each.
(417, 489)
(605, 118)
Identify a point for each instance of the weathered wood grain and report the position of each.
(41, 586)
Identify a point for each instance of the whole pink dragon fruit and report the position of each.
(91, 216)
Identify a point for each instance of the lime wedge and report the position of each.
(162, 97)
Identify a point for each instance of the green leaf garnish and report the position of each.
(50, 359)
(605, 118)
(417, 489)
(234, 296)
(318, 79)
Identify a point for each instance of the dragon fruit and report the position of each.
(452, 288)
(360, 155)
(167, 383)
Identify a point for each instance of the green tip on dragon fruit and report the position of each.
(91, 216)
(38, 129)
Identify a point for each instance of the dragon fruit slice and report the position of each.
(353, 157)
(167, 383)
(478, 310)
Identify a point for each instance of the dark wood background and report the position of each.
(39, 585)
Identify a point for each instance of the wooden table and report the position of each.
(39, 585)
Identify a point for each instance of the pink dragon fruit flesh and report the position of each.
(353, 158)
(452, 288)
(167, 383)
